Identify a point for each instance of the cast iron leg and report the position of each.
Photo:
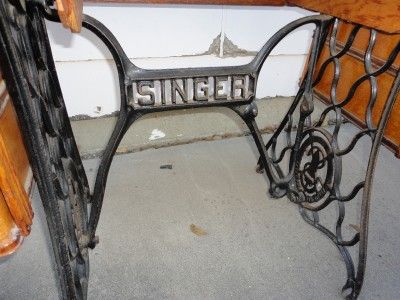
(31, 79)
(125, 119)
(317, 156)
(248, 114)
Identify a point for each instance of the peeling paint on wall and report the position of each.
(227, 48)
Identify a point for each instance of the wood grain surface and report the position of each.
(204, 2)
(10, 236)
(15, 208)
(379, 14)
(352, 68)
(70, 13)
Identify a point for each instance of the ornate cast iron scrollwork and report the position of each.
(315, 152)
(302, 159)
(314, 167)
(30, 74)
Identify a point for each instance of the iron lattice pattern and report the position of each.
(314, 153)
(303, 159)
(33, 84)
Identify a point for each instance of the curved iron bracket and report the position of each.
(143, 91)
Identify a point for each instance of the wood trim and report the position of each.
(70, 13)
(353, 68)
(10, 237)
(378, 14)
(13, 191)
(381, 15)
(356, 121)
(14, 170)
(204, 2)
(15, 210)
(359, 55)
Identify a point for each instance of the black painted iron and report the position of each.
(29, 71)
(310, 153)
(315, 157)
(239, 94)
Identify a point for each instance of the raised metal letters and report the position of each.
(181, 91)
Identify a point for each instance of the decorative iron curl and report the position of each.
(314, 192)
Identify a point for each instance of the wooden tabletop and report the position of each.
(70, 13)
(383, 15)
(204, 2)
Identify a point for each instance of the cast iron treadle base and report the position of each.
(29, 72)
(310, 153)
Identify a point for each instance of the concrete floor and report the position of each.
(255, 247)
(176, 127)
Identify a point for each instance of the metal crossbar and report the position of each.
(302, 159)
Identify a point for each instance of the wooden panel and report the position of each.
(13, 190)
(11, 134)
(352, 67)
(15, 178)
(70, 13)
(10, 237)
(382, 15)
(216, 2)
(379, 14)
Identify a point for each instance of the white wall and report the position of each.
(161, 36)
